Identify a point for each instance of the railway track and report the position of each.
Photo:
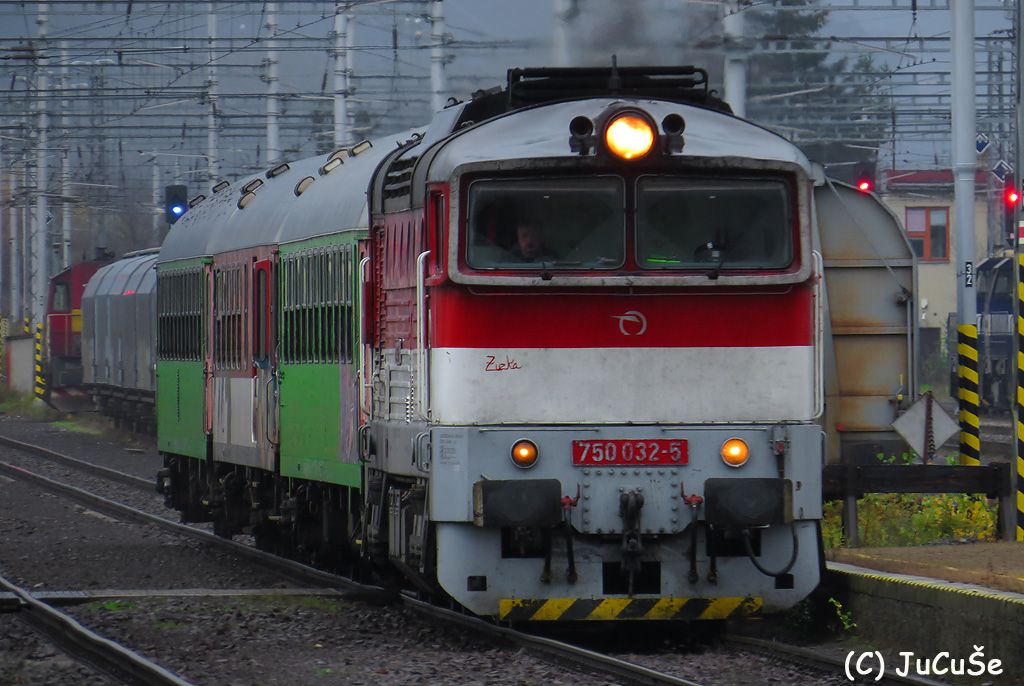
(816, 660)
(552, 650)
(68, 461)
(555, 651)
(85, 645)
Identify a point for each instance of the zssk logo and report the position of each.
(632, 323)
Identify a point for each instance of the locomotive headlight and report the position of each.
(629, 136)
(735, 452)
(524, 453)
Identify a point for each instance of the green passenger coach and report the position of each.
(258, 365)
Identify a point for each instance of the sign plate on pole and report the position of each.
(911, 425)
(1002, 169)
(981, 143)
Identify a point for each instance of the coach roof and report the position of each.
(126, 273)
(334, 202)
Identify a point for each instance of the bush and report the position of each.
(905, 519)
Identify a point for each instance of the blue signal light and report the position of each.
(175, 202)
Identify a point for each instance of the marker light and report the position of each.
(864, 185)
(735, 452)
(629, 136)
(524, 453)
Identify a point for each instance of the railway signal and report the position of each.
(1011, 200)
(864, 178)
(175, 202)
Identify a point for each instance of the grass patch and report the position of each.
(891, 520)
(71, 425)
(24, 405)
(112, 605)
(168, 625)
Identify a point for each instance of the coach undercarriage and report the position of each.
(308, 521)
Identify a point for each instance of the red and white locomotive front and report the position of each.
(620, 376)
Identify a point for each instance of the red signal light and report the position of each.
(1011, 196)
(864, 186)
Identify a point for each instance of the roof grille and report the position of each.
(536, 85)
(398, 180)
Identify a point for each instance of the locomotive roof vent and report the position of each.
(361, 147)
(398, 179)
(278, 170)
(196, 200)
(221, 186)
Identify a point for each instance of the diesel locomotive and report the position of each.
(575, 350)
(61, 365)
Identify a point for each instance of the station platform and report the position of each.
(997, 565)
(939, 598)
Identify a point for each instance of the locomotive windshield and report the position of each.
(695, 223)
(546, 223)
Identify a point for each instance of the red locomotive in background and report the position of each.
(62, 348)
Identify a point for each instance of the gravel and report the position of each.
(725, 665)
(52, 544)
(132, 455)
(27, 658)
(274, 641)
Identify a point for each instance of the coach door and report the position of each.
(208, 346)
(264, 407)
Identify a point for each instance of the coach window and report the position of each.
(730, 223)
(259, 316)
(928, 232)
(554, 223)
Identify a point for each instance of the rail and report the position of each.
(551, 650)
(88, 646)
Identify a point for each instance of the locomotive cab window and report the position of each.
(546, 224)
(61, 297)
(725, 223)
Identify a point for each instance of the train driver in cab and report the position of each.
(529, 244)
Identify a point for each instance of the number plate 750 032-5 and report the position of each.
(629, 453)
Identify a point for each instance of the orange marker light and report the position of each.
(524, 453)
(735, 452)
(629, 136)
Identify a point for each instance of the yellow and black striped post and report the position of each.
(40, 385)
(28, 326)
(1019, 405)
(970, 425)
(3, 351)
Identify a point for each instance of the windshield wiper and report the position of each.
(710, 252)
